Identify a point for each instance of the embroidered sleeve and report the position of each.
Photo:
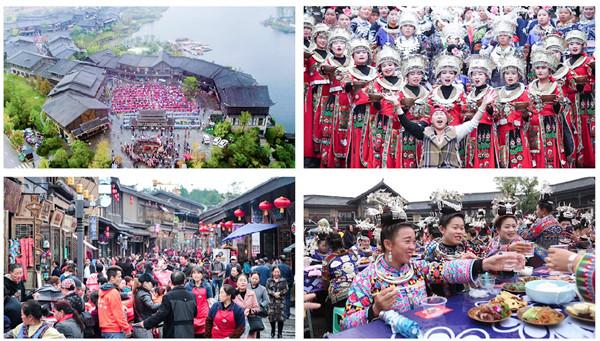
(585, 276)
(359, 299)
(454, 272)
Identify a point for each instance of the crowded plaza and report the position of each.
(449, 87)
(166, 267)
(455, 265)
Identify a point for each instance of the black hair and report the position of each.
(201, 270)
(335, 241)
(177, 278)
(112, 271)
(32, 307)
(445, 219)
(229, 291)
(484, 231)
(54, 262)
(255, 273)
(545, 205)
(15, 266)
(94, 297)
(65, 306)
(102, 280)
(99, 267)
(501, 219)
(238, 268)
(388, 231)
(472, 231)
(434, 232)
(275, 267)
(563, 218)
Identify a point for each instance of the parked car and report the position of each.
(216, 141)
(223, 143)
(206, 139)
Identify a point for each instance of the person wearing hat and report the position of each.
(413, 68)
(316, 94)
(513, 144)
(383, 129)
(440, 146)
(335, 113)
(544, 26)
(143, 305)
(507, 236)
(448, 94)
(398, 282)
(357, 83)
(545, 230)
(410, 40)
(68, 289)
(565, 18)
(549, 142)
(582, 99)
(482, 143)
(503, 29)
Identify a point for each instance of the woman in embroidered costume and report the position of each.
(440, 141)
(544, 27)
(410, 41)
(503, 28)
(309, 45)
(388, 33)
(447, 94)
(583, 100)
(583, 266)
(482, 145)
(334, 120)
(317, 93)
(440, 42)
(397, 282)
(416, 107)
(549, 111)
(339, 270)
(358, 83)
(381, 143)
(512, 115)
(452, 245)
(546, 230)
(565, 77)
(322, 250)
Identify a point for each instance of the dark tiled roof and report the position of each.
(66, 108)
(246, 96)
(574, 184)
(380, 185)
(200, 67)
(226, 77)
(26, 59)
(101, 58)
(86, 82)
(325, 200)
(63, 66)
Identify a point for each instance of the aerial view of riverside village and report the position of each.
(137, 87)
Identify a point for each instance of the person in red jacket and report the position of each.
(113, 322)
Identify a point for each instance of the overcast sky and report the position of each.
(419, 184)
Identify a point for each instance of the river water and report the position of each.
(238, 39)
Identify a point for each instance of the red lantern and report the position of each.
(201, 223)
(106, 234)
(106, 229)
(281, 203)
(265, 206)
(239, 213)
(229, 224)
(131, 200)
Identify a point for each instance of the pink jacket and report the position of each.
(249, 302)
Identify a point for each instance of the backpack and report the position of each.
(89, 323)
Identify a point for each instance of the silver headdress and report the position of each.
(447, 201)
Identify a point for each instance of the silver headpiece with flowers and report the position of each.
(566, 211)
(504, 204)
(445, 198)
(546, 192)
(386, 202)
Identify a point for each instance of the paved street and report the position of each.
(11, 157)
(289, 327)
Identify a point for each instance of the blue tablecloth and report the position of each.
(457, 324)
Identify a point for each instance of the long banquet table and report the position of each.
(457, 324)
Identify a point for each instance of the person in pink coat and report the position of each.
(246, 299)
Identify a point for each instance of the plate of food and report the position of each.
(565, 278)
(540, 316)
(514, 302)
(515, 288)
(582, 311)
(490, 313)
(526, 279)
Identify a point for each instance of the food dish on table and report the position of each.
(542, 316)
(514, 302)
(582, 311)
(526, 279)
(490, 312)
(515, 288)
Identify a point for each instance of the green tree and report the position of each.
(8, 123)
(275, 134)
(17, 138)
(81, 155)
(102, 157)
(222, 129)
(44, 163)
(60, 160)
(50, 129)
(522, 187)
(245, 117)
(31, 82)
(18, 109)
(190, 87)
(38, 81)
(45, 87)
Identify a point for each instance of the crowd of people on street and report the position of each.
(387, 263)
(133, 97)
(164, 294)
(153, 151)
(449, 87)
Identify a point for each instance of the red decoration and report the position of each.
(201, 223)
(106, 229)
(281, 203)
(265, 206)
(228, 224)
(239, 213)
(106, 234)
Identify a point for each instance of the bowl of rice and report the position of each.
(550, 291)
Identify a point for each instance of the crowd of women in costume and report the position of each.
(140, 96)
(444, 88)
(409, 261)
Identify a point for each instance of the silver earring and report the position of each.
(390, 257)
